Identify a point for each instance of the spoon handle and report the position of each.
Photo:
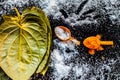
(75, 40)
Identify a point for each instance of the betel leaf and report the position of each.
(25, 43)
(44, 64)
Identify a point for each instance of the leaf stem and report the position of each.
(18, 14)
(20, 25)
(20, 46)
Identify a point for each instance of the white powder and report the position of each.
(60, 68)
(56, 55)
(62, 34)
(81, 70)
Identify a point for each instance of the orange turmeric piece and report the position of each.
(94, 43)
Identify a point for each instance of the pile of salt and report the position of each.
(61, 33)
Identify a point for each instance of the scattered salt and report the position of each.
(56, 55)
(62, 69)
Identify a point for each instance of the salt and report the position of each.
(61, 33)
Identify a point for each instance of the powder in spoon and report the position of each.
(61, 33)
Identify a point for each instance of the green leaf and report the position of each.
(25, 43)
(44, 64)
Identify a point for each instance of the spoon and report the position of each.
(64, 34)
